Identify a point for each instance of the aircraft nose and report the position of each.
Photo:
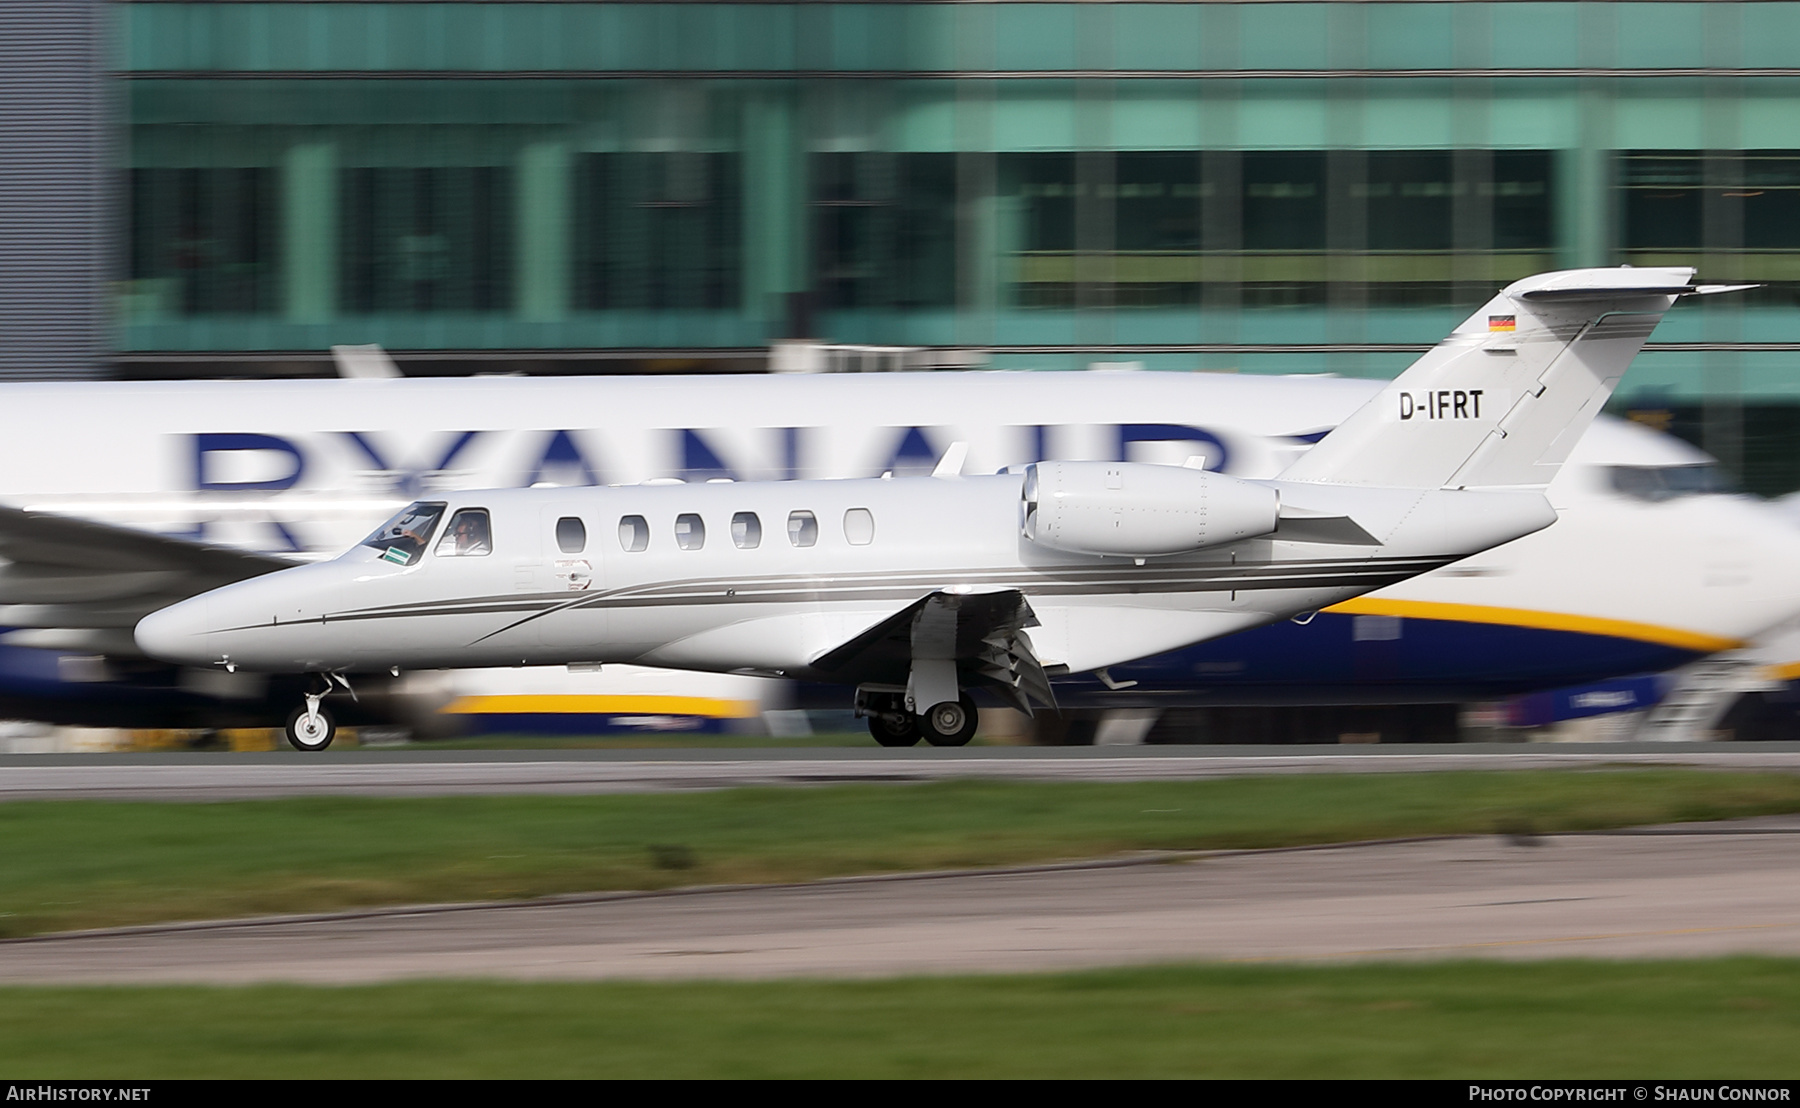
(178, 633)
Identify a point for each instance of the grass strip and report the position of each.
(1730, 1018)
(76, 864)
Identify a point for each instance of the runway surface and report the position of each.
(1687, 891)
(426, 772)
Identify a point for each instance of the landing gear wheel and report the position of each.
(895, 729)
(951, 723)
(311, 731)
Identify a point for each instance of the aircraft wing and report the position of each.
(74, 584)
(983, 633)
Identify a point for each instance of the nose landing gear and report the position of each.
(311, 727)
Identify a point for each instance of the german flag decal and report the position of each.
(1502, 323)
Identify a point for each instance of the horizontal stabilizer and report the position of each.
(1336, 530)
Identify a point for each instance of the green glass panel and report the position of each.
(931, 35)
(1661, 35)
(1284, 115)
(690, 37)
(924, 117)
(583, 35)
(1540, 114)
(350, 36)
(158, 36)
(290, 38)
(856, 41)
(1156, 115)
(530, 37)
(1410, 36)
(456, 36)
(1410, 122)
(1770, 113)
(888, 28)
(413, 37)
(237, 37)
(1157, 36)
(630, 36)
(1033, 115)
(188, 41)
(1770, 34)
(1535, 35)
(1284, 36)
(765, 36)
(1035, 36)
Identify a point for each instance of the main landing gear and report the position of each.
(951, 723)
(311, 727)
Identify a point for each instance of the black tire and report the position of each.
(951, 723)
(895, 730)
(300, 738)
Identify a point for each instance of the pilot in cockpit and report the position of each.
(468, 535)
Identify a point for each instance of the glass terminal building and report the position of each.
(1262, 187)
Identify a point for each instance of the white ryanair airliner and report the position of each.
(916, 590)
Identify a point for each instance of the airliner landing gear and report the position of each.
(311, 727)
(889, 721)
(951, 723)
(895, 729)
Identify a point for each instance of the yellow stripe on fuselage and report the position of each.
(1545, 621)
(614, 704)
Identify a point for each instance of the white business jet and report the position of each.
(914, 591)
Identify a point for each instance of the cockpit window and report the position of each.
(402, 539)
(468, 535)
(1668, 482)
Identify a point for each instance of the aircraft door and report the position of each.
(572, 629)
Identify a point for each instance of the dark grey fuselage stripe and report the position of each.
(907, 586)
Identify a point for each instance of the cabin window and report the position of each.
(746, 531)
(690, 531)
(634, 534)
(571, 535)
(468, 535)
(803, 528)
(402, 539)
(859, 526)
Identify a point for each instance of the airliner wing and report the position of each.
(78, 585)
(983, 633)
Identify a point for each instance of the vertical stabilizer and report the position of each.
(1503, 399)
(364, 363)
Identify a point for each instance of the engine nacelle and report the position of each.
(1139, 511)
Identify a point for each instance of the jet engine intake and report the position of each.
(1140, 511)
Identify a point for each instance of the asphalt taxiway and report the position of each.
(424, 772)
(1676, 891)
